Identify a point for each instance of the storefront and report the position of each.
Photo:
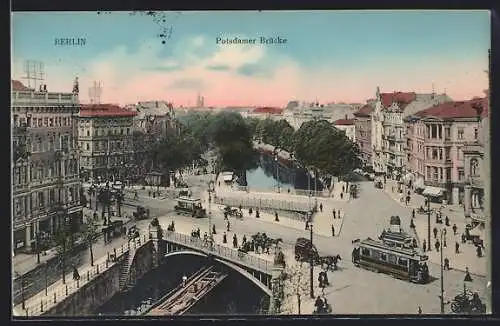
(435, 194)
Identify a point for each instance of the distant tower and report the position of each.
(76, 87)
(34, 72)
(202, 101)
(95, 93)
(433, 90)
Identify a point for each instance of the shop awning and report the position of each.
(419, 183)
(432, 191)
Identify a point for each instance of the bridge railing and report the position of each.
(45, 300)
(221, 251)
(256, 202)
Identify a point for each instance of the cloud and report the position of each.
(253, 70)
(218, 67)
(245, 75)
(188, 83)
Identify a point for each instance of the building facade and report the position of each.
(45, 179)
(444, 142)
(348, 127)
(389, 128)
(105, 142)
(363, 130)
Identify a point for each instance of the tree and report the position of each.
(90, 235)
(296, 284)
(63, 242)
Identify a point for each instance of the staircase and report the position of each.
(125, 282)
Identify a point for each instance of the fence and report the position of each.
(255, 202)
(53, 294)
(221, 251)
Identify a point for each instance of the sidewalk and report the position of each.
(467, 256)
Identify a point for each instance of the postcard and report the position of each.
(250, 163)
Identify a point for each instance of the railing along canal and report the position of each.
(232, 255)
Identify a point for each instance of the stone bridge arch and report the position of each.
(234, 267)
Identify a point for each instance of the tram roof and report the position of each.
(396, 236)
(188, 199)
(380, 245)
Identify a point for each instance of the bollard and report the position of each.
(97, 270)
(55, 297)
(77, 283)
(66, 290)
(41, 306)
(88, 276)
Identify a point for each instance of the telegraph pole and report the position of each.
(311, 262)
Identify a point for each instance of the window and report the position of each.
(392, 259)
(474, 165)
(365, 252)
(51, 122)
(447, 133)
(460, 134)
(461, 174)
(128, 131)
(402, 261)
(88, 146)
(121, 131)
(459, 153)
(41, 199)
(88, 133)
(435, 175)
(52, 196)
(383, 257)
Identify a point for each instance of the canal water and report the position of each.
(268, 171)
(235, 295)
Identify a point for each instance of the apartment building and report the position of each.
(105, 142)
(388, 128)
(45, 180)
(442, 144)
(363, 133)
(348, 127)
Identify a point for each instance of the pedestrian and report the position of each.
(276, 218)
(435, 231)
(467, 278)
(341, 195)
(244, 240)
(227, 226)
(446, 266)
(419, 310)
(76, 275)
(424, 245)
(219, 183)
(454, 229)
(257, 214)
(235, 241)
(464, 239)
(437, 245)
(457, 247)
(307, 225)
(338, 213)
(447, 221)
(213, 229)
(224, 238)
(198, 232)
(321, 207)
(479, 251)
(444, 242)
(320, 280)
(334, 213)
(184, 281)
(343, 189)
(413, 213)
(333, 231)
(149, 193)
(412, 224)
(414, 243)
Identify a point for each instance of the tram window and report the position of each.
(392, 259)
(403, 262)
(365, 252)
(383, 257)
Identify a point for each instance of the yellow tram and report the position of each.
(404, 263)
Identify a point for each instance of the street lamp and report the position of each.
(429, 246)
(311, 262)
(442, 280)
(37, 247)
(211, 189)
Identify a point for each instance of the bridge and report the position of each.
(185, 296)
(124, 263)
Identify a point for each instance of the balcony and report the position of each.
(44, 98)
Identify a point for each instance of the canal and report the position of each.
(268, 171)
(235, 295)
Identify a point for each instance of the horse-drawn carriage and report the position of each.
(260, 242)
(305, 251)
(229, 211)
(468, 303)
(190, 206)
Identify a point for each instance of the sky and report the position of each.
(329, 56)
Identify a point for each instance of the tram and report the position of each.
(403, 263)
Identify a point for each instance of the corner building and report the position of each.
(45, 180)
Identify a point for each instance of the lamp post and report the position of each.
(311, 262)
(308, 189)
(442, 280)
(37, 247)
(211, 189)
(429, 246)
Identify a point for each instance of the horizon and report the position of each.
(340, 56)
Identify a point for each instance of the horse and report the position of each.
(329, 261)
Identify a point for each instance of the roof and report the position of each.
(457, 109)
(402, 99)
(18, 86)
(267, 109)
(104, 110)
(364, 111)
(344, 122)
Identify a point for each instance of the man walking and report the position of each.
(333, 231)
